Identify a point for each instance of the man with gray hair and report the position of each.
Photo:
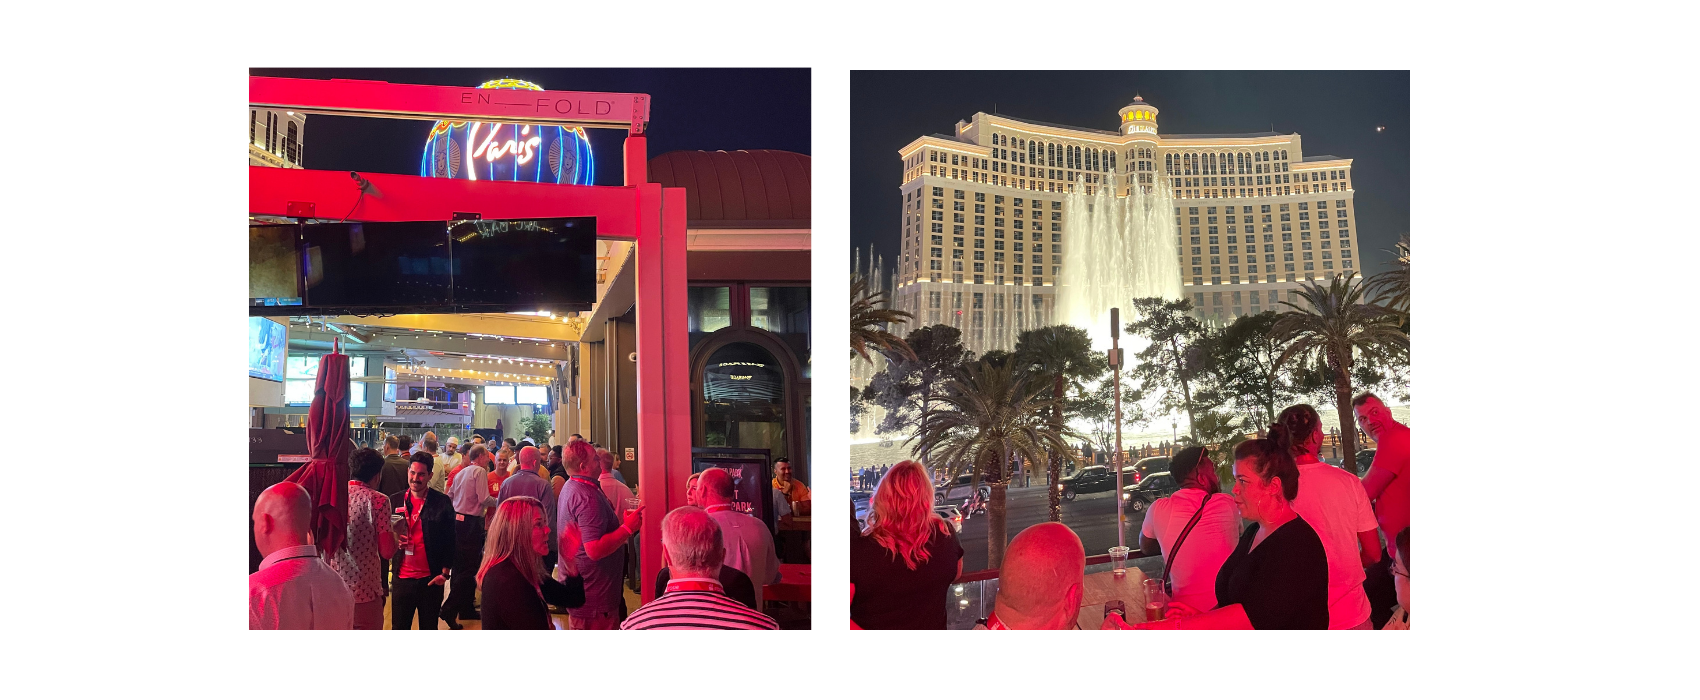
(692, 547)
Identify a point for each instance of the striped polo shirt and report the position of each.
(696, 607)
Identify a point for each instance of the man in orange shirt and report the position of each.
(793, 491)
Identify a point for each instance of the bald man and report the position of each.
(294, 589)
(528, 480)
(1042, 582)
(749, 544)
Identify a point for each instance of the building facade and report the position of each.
(275, 137)
(984, 221)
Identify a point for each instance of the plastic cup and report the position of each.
(1155, 600)
(1118, 560)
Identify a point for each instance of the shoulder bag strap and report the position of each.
(1168, 586)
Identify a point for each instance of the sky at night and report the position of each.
(1334, 113)
(707, 109)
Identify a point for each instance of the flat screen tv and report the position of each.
(465, 266)
(267, 348)
(534, 395)
(498, 395)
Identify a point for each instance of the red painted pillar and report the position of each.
(663, 373)
(637, 160)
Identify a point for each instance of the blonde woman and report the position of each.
(904, 563)
(511, 575)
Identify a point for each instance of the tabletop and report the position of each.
(1105, 586)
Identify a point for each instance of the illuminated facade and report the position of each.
(275, 137)
(508, 152)
(984, 222)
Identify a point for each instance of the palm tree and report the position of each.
(988, 415)
(1392, 289)
(1333, 327)
(869, 319)
(1059, 355)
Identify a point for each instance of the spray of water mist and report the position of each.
(1117, 249)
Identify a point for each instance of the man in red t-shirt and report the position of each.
(1388, 482)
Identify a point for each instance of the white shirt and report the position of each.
(295, 590)
(749, 546)
(1206, 547)
(616, 492)
(1336, 506)
(471, 491)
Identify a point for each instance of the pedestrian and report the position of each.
(589, 536)
(470, 491)
(1279, 570)
(748, 542)
(427, 548)
(515, 590)
(904, 563)
(694, 597)
(293, 589)
(370, 542)
(1210, 521)
(1334, 503)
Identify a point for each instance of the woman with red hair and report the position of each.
(903, 564)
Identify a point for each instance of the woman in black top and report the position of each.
(511, 576)
(904, 563)
(1279, 571)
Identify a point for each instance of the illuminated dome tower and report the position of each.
(509, 152)
(1139, 118)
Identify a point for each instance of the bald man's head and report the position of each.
(1043, 578)
(282, 516)
(528, 457)
(715, 487)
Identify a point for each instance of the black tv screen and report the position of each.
(399, 264)
(525, 265)
(424, 267)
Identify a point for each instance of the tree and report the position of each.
(1062, 356)
(1243, 369)
(905, 387)
(870, 318)
(988, 415)
(1175, 354)
(537, 427)
(1333, 327)
(1098, 406)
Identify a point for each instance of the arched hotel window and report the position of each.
(1283, 155)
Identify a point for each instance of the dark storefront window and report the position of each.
(710, 310)
(743, 393)
(784, 311)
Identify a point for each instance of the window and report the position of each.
(938, 252)
(980, 243)
(959, 195)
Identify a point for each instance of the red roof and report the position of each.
(738, 189)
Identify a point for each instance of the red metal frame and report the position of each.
(648, 214)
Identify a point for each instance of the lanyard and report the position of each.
(718, 507)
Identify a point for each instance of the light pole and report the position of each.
(1116, 388)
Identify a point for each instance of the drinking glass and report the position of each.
(1155, 600)
(1118, 560)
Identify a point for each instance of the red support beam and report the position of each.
(374, 98)
(664, 400)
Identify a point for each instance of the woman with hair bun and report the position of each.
(1279, 571)
(902, 568)
(1334, 503)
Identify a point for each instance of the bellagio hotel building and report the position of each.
(983, 216)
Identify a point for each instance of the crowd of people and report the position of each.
(1297, 544)
(513, 536)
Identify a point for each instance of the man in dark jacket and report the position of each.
(427, 542)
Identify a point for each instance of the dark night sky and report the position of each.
(1334, 112)
(705, 109)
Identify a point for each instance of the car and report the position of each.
(1154, 486)
(1364, 459)
(1087, 480)
(1149, 465)
(955, 491)
(951, 514)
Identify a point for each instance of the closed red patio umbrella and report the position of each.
(325, 475)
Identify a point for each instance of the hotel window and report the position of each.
(938, 228)
(980, 243)
(938, 240)
(935, 265)
(956, 266)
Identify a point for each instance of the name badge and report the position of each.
(407, 552)
(460, 517)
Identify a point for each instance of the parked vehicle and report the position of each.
(1154, 486)
(1364, 458)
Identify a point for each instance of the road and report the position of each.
(1090, 515)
